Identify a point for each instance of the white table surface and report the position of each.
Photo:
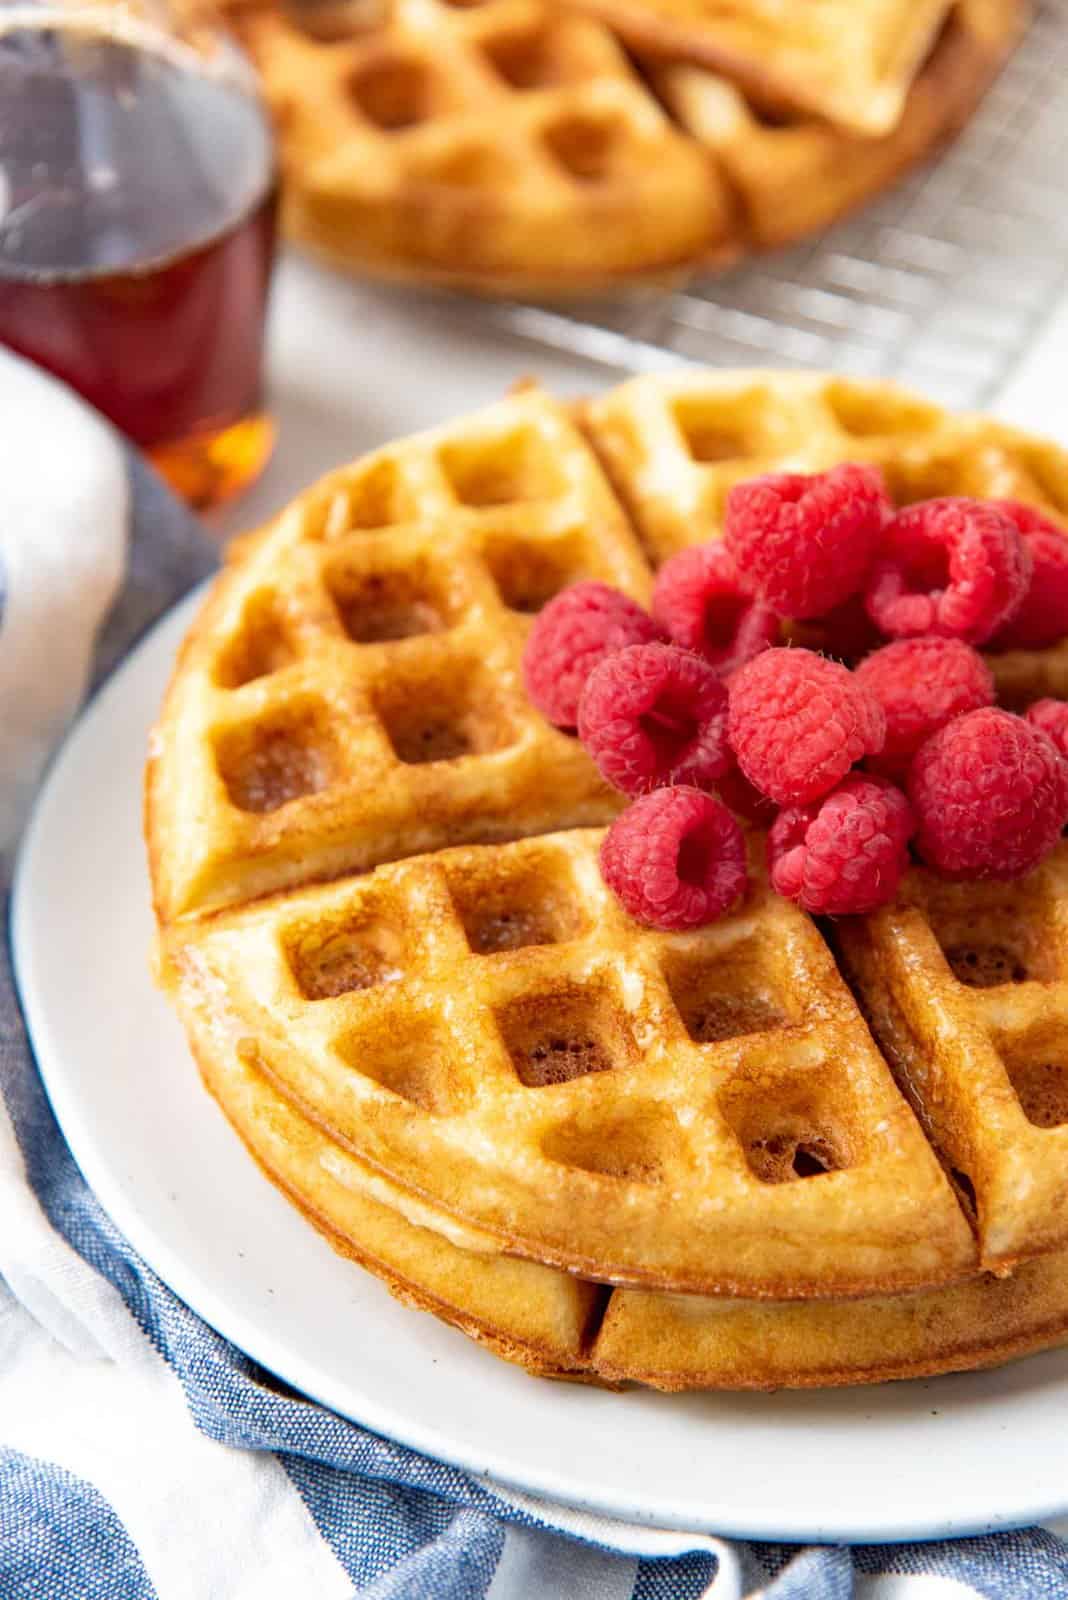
(352, 365)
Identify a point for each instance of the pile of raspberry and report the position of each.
(697, 711)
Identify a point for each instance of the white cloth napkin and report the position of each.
(63, 508)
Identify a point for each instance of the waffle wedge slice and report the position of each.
(795, 174)
(851, 62)
(557, 1325)
(674, 446)
(489, 1030)
(351, 691)
(966, 987)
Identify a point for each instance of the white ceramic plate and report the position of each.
(931, 1459)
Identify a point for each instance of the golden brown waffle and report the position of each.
(850, 62)
(508, 145)
(511, 147)
(351, 693)
(522, 1071)
(966, 987)
(674, 446)
(556, 1325)
(792, 175)
(490, 1030)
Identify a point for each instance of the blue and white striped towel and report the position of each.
(140, 1454)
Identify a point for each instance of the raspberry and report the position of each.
(990, 793)
(805, 544)
(1052, 717)
(698, 602)
(675, 859)
(952, 567)
(797, 723)
(654, 714)
(578, 628)
(845, 853)
(847, 633)
(922, 684)
(739, 796)
(1042, 619)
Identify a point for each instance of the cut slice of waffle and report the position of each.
(487, 1028)
(674, 446)
(966, 987)
(794, 174)
(508, 144)
(685, 1342)
(851, 62)
(512, 148)
(557, 1325)
(351, 692)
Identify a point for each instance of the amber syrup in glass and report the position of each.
(137, 216)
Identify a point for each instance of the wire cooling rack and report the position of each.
(942, 283)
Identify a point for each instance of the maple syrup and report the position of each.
(137, 220)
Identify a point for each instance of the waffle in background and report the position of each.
(514, 147)
(848, 62)
(508, 146)
(793, 174)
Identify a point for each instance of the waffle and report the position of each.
(370, 638)
(850, 62)
(505, 146)
(557, 1325)
(674, 446)
(794, 174)
(488, 1028)
(351, 693)
(966, 988)
(515, 1070)
(513, 148)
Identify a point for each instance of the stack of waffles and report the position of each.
(765, 1152)
(553, 147)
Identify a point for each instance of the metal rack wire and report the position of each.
(941, 283)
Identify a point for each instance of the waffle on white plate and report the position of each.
(516, 147)
(555, 1324)
(477, 1044)
(630, 1105)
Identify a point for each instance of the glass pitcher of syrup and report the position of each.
(137, 219)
